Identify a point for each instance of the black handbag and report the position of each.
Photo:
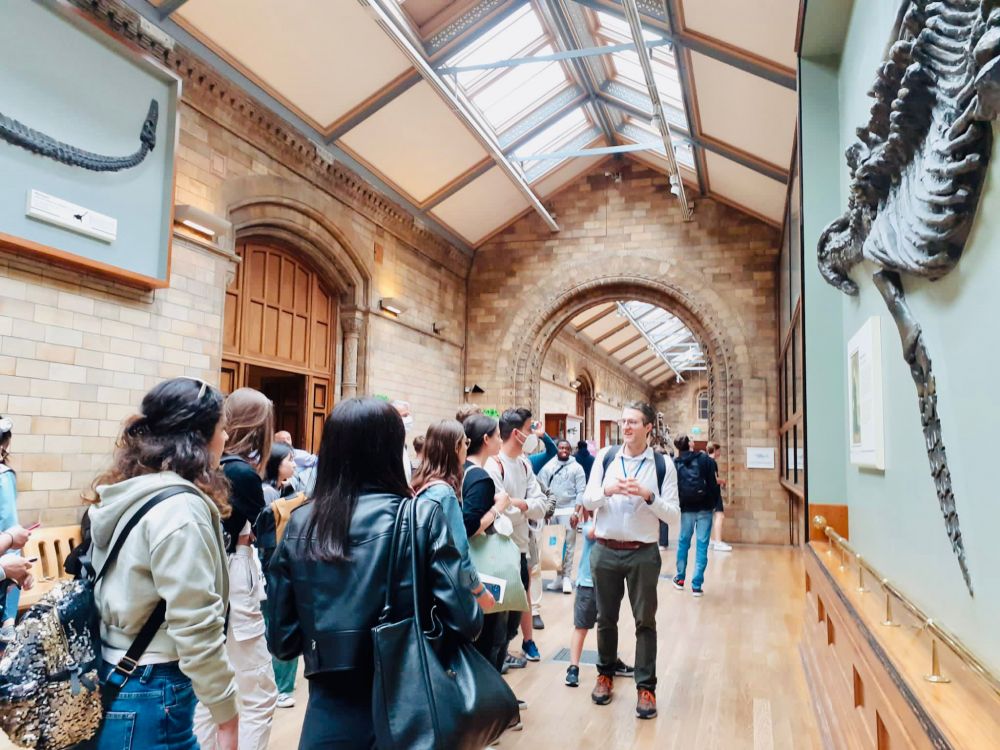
(432, 688)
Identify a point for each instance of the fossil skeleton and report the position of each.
(917, 170)
(19, 134)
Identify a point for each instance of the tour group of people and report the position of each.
(241, 613)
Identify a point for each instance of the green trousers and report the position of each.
(284, 671)
(613, 571)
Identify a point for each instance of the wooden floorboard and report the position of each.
(730, 676)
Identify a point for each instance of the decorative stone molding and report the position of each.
(208, 92)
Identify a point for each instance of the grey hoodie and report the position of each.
(175, 553)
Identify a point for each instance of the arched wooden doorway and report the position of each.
(280, 337)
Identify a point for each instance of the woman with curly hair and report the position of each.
(175, 554)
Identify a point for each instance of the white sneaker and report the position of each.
(722, 547)
(556, 585)
(285, 700)
(567, 587)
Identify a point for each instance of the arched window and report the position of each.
(703, 405)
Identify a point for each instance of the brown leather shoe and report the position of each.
(602, 690)
(645, 707)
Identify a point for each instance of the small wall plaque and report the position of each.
(62, 213)
(760, 458)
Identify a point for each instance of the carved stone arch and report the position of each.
(538, 326)
(303, 219)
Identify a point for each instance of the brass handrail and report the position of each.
(964, 655)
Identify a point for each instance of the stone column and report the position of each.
(352, 323)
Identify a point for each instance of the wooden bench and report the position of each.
(51, 546)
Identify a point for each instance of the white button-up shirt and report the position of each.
(629, 518)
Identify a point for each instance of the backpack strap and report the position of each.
(661, 470)
(130, 662)
(609, 457)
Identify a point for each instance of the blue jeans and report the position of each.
(698, 524)
(153, 711)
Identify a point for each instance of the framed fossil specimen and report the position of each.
(88, 134)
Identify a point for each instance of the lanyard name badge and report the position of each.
(637, 470)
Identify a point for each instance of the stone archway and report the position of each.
(542, 324)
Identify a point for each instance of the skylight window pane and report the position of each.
(510, 37)
(620, 28)
(555, 135)
(519, 90)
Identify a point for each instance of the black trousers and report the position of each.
(339, 713)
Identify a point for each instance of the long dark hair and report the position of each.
(477, 428)
(440, 457)
(177, 422)
(279, 452)
(361, 452)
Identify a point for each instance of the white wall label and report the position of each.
(760, 458)
(62, 213)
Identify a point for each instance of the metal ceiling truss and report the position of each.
(683, 40)
(464, 28)
(686, 82)
(677, 184)
(625, 312)
(386, 14)
(567, 54)
(193, 45)
(554, 12)
(373, 106)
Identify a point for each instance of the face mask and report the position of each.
(408, 423)
(530, 444)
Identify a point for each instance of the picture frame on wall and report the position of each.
(94, 190)
(865, 421)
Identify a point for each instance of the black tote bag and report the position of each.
(432, 689)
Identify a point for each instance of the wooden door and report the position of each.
(280, 315)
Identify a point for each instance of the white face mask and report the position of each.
(530, 444)
(408, 422)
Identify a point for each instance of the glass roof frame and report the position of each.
(647, 318)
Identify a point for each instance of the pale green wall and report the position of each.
(895, 520)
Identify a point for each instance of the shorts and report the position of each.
(585, 608)
(718, 504)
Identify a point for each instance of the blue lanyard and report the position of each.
(638, 468)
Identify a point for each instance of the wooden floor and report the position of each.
(729, 671)
(728, 665)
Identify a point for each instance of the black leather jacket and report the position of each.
(325, 610)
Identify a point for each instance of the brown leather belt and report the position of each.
(616, 544)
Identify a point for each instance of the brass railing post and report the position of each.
(888, 621)
(861, 575)
(935, 675)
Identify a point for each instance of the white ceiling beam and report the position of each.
(677, 184)
(386, 14)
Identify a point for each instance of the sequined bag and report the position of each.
(51, 697)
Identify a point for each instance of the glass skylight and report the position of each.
(666, 335)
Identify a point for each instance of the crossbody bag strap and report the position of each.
(128, 663)
(393, 554)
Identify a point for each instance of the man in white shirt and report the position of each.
(512, 471)
(631, 489)
(403, 407)
(566, 479)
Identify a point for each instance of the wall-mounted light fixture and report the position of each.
(208, 225)
(574, 384)
(474, 388)
(392, 305)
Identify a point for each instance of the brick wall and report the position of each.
(77, 354)
(679, 404)
(627, 240)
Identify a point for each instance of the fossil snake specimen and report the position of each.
(917, 171)
(36, 142)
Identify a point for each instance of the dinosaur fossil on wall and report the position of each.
(917, 171)
(36, 142)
